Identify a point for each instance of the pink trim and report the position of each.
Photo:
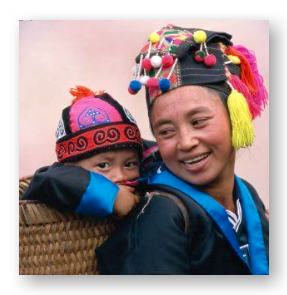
(149, 151)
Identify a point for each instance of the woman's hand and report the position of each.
(125, 201)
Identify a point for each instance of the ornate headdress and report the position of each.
(175, 56)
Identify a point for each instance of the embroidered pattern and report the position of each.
(60, 132)
(129, 116)
(92, 117)
(98, 138)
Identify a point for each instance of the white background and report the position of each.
(11, 13)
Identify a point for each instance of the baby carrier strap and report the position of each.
(180, 204)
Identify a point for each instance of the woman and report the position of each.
(202, 94)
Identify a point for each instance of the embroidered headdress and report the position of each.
(94, 123)
(175, 56)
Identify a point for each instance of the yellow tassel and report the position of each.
(241, 120)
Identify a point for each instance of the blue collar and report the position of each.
(258, 257)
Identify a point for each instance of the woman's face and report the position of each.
(192, 129)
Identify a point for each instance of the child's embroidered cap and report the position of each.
(94, 123)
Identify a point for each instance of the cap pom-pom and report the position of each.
(152, 83)
(167, 61)
(154, 37)
(144, 79)
(134, 86)
(80, 92)
(156, 61)
(199, 56)
(234, 59)
(199, 36)
(146, 63)
(210, 60)
(164, 84)
(241, 121)
(131, 91)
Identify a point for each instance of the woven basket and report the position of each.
(52, 242)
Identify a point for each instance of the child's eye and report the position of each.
(131, 164)
(103, 165)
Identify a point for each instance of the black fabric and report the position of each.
(197, 73)
(127, 252)
(154, 242)
(66, 119)
(59, 186)
(150, 162)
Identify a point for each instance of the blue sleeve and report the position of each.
(99, 197)
(72, 188)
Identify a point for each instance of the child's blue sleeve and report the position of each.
(71, 188)
(99, 197)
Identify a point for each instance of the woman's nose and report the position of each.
(187, 140)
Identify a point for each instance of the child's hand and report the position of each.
(125, 201)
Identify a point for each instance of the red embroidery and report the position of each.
(97, 138)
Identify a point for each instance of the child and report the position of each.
(99, 149)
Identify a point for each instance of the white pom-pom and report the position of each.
(156, 61)
(143, 79)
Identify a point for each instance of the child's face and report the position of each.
(118, 166)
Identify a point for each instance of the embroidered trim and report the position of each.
(60, 132)
(97, 138)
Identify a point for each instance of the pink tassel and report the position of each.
(254, 108)
(261, 96)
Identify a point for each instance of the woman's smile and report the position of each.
(195, 164)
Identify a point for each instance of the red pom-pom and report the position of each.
(210, 60)
(199, 56)
(167, 61)
(152, 83)
(146, 63)
(131, 91)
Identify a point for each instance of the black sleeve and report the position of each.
(58, 185)
(153, 242)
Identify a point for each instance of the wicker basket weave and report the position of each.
(52, 242)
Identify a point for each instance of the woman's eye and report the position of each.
(103, 165)
(165, 133)
(199, 122)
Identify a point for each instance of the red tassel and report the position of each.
(246, 71)
(79, 92)
(243, 89)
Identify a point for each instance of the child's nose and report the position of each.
(119, 175)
